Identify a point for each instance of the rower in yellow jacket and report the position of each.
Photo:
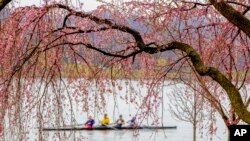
(105, 120)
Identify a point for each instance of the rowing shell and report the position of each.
(110, 128)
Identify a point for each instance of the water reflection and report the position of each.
(112, 135)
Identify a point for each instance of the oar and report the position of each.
(109, 126)
(64, 126)
(74, 125)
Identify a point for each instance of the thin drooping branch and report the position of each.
(3, 3)
(208, 95)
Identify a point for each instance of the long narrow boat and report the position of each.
(109, 128)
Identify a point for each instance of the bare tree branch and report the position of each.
(139, 41)
(3, 3)
(232, 16)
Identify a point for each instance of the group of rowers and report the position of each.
(105, 122)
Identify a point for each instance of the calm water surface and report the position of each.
(182, 133)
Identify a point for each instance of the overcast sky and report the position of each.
(88, 4)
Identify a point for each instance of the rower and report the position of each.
(105, 120)
(90, 122)
(119, 122)
(133, 123)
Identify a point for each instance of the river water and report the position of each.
(114, 108)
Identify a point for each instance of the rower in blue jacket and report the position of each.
(133, 123)
(90, 122)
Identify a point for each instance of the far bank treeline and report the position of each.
(71, 69)
(116, 72)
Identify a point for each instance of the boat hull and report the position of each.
(110, 128)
